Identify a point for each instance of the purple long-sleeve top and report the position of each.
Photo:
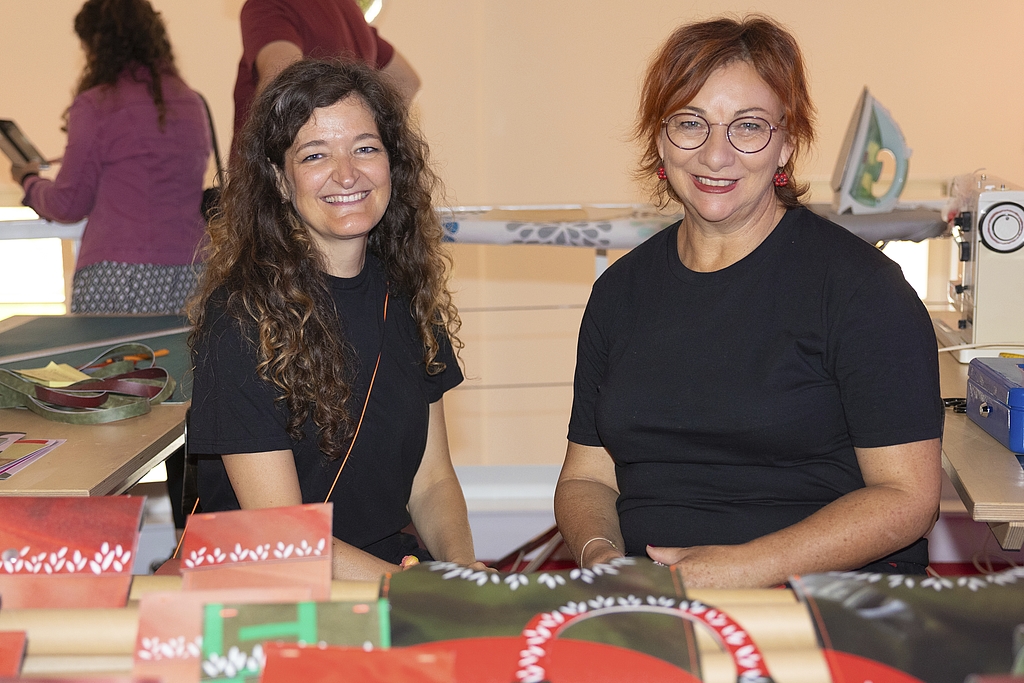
(139, 185)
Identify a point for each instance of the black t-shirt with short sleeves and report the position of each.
(234, 411)
(731, 401)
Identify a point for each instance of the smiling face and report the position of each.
(338, 178)
(718, 185)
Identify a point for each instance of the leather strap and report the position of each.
(115, 392)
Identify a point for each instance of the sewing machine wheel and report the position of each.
(1002, 227)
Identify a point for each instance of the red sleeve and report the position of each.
(384, 50)
(318, 29)
(263, 22)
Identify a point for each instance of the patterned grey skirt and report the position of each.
(112, 287)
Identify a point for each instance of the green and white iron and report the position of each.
(872, 133)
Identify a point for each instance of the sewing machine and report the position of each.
(986, 217)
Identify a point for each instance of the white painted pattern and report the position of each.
(260, 553)
(939, 583)
(514, 580)
(107, 558)
(154, 649)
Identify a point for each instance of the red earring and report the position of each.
(661, 173)
(781, 179)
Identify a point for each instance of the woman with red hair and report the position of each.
(756, 390)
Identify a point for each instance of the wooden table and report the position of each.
(96, 460)
(103, 459)
(988, 477)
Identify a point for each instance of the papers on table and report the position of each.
(17, 452)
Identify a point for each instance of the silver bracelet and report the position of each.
(596, 538)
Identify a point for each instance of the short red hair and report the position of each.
(688, 58)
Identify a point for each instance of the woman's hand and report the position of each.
(710, 566)
(585, 505)
(896, 507)
(436, 503)
(411, 561)
(481, 567)
(20, 171)
(600, 551)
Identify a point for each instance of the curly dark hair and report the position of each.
(688, 58)
(260, 251)
(119, 34)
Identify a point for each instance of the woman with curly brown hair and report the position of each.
(138, 145)
(324, 330)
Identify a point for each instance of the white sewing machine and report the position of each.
(986, 216)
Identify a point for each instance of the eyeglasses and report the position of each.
(748, 134)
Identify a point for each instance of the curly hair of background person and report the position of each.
(122, 33)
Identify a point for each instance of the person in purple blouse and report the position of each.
(137, 152)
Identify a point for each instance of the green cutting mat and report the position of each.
(78, 339)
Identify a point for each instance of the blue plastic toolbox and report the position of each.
(995, 399)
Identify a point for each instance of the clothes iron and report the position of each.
(871, 132)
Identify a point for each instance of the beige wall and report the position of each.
(530, 102)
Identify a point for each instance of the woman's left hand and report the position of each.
(896, 507)
(707, 566)
(19, 171)
(436, 502)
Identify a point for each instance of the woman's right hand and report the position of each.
(481, 567)
(585, 505)
(600, 551)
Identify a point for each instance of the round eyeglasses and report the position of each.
(748, 134)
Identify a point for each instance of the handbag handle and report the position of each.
(541, 632)
(213, 139)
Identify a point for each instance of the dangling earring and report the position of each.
(781, 179)
(661, 173)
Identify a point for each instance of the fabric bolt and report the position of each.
(732, 401)
(233, 411)
(320, 28)
(139, 184)
(132, 288)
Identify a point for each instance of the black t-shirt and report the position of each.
(731, 401)
(234, 411)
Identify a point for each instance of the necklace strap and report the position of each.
(366, 402)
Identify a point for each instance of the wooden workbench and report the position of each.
(96, 460)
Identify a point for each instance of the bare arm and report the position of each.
(403, 75)
(896, 507)
(436, 503)
(273, 58)
(585, 505)
(269, 479)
